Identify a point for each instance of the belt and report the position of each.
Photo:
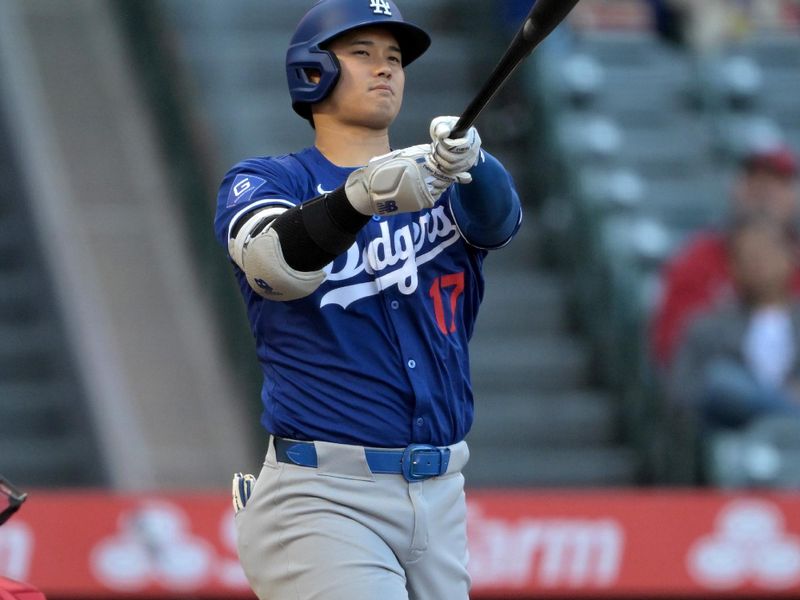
(416, 462)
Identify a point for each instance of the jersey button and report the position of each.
(420, 422)
(395, 304)
(376, 217)
(412, 364)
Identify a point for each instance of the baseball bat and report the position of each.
(540, 22)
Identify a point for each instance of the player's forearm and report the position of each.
(488, 210)
(283, 252)
(316, 232)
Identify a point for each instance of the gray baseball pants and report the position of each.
(340, 532)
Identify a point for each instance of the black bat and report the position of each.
(543, 18)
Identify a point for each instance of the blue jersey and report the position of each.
(377, 355)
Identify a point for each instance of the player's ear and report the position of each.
(313, 75)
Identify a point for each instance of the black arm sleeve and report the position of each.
(315, 232)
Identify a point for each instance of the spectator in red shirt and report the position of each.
(740, 360)
(699, 275)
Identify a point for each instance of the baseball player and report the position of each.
(360, 267)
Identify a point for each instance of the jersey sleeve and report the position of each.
(252, 184)
(487, 211)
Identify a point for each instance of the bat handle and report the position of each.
(465, 121)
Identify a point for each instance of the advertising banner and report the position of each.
(577, 544)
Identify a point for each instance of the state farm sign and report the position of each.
(571, 553)
(749, 545)
(16, 550)
(153, 545)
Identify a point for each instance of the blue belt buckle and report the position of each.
(423, 461)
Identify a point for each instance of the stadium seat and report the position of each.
(765, 454)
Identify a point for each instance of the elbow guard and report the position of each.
(256, 249)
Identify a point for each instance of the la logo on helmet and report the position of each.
(381, 7)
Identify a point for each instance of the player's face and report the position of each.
(369, 92)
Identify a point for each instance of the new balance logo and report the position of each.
(381, 7)
(266, 287)
(387, 207)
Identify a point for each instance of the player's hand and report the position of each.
(455, 157)
(407, 180)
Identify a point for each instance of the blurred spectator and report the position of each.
(699, 274)
(669, 21)
(741, 359)
(707, 25)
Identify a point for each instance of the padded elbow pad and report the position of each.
(268, 273)
(256, 249)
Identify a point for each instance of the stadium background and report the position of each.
(128, 395)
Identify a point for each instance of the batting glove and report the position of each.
(242, 488)
(406, 180)
(455, 157)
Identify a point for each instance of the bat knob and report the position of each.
(529, 31)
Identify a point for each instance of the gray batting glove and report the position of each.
(455, 157)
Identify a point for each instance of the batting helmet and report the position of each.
(328, 19)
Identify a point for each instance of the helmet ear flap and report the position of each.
(308, 92)
(324, 64)
(335, 68)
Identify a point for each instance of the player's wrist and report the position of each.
(455, 157)
(343, 213)
(357, 193)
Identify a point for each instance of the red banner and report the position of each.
(588, 544)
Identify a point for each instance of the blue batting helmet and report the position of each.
(328, 19)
